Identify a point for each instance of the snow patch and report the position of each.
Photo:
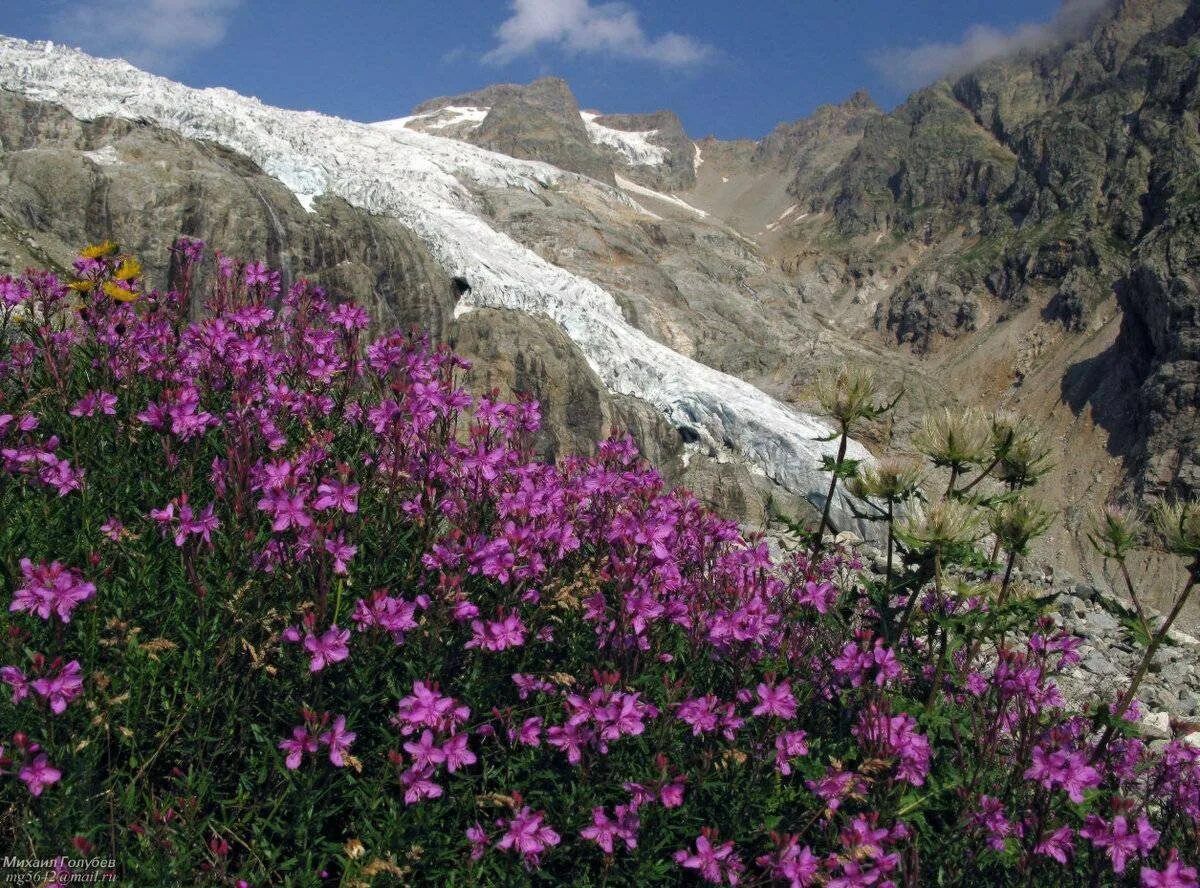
(624, 183)
(635, 147)
(442, 118)
(419, 180)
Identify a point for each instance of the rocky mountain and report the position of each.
(1023, 236)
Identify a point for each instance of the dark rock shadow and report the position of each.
(1110, 384)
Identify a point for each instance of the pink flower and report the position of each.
(671, 794)
(1058, 845)
(419, 785)
(425, 752)
(479, 841)
(113, 529)
(497, 635)
(38, 774)
(789, 745)
(797, 866)
(603, 830)
(334, 494)
(776, 700)
(1173, 875)
(717, 864)
(1118, 839)
(457, 753)
(330, 647)
(302, 741)
(16, 679)
(426, 707)
(341, 551)
(63, 688)
(95, 402)
(338, 739)
(527, 835)
(50, 588)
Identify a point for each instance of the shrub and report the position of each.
(289, 606)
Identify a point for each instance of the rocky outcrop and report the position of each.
(70, 182)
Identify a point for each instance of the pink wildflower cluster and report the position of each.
(636, 665)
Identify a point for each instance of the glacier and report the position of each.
(420, 179)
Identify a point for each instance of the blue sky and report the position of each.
(731, 69)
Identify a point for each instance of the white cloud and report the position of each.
(578, 26)
(917, 66)
(154, 34)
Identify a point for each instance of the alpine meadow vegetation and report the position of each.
(286, 605)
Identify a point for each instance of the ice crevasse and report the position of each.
(419, 179)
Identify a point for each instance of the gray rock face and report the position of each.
(539, 121)
(71, 183)
(65, 183)
(677, 172)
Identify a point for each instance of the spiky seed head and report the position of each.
(954, 438)
(847, 394)
(1017, 522)
(1115, 532)
(1179, 526)
(892, 478)
(947, 523)
(1023, 457)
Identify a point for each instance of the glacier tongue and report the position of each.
(418, 179)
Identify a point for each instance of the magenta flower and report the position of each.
(334, 494)
(201, 525)
(479, 841)
(338, 739)
(95, 402)
(15, 678)
(795, 865)
(604, 831)
(1173, 875)
(425, 752)
(776, 700)
(528, 835)
(256, 273)
(789, 745)
(301, 742)
(50, 588)
(341, 552)
(716, 864)
(457, 754)
(426, 707)
(60, 690)
(113, 529)
(1058, 845)
(332, 646)
(1118, 840)
(39, 773)
(497, 635)
(419, 785)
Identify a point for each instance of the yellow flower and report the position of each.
(95, 251)
(82, 286)
(119, 293)
(128, 269)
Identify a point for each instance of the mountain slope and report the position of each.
(447, 193)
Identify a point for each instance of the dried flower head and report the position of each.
(892, 478)
(1179, 526)
(849, 394)
(945, 524)
(1022, 456)
(954, 439)
(1115, 532)
(1017, 522)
